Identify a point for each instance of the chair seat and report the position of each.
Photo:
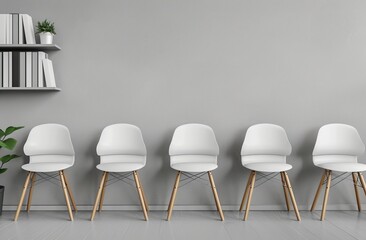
(120, 167)
(268, 167)
(344, 167)
(46, 167)
(194, 167)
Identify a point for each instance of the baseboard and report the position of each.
(339, 207)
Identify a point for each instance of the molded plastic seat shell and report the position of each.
(193, 148)
(49, 148)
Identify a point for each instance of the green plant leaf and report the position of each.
(2, 133)
(12, 129)
(2, 170)
(8, 158)
(8, 143)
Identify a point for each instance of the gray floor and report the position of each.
(184, 225)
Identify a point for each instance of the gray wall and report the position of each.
(229, 64)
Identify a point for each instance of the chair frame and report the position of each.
(175, 189)
(326, 179)
(248, 193)
(103, 184)
(31, 178)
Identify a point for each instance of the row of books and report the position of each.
(16, 28)
(26, 69)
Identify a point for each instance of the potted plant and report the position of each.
(7, 143)
(46, 31)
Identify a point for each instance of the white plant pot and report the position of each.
(46, 37)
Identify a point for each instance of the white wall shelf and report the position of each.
(29, 47)
(30, 89)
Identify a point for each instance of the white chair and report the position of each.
(264, 151)
(336, 150)
(122, 150)
(194, 150)
(50, 149)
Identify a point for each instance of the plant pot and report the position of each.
(46, 37)
(2, 189)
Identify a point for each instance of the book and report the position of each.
(20, 29)
(16, 69)
(5, 69)
(49, 73)
(21, 69)
(15, 26)
(10, 65)
(1, 69)
(34, 69)
(28, 29)
(28, 69)
(9, 27)
(3, 29)
(41, 56)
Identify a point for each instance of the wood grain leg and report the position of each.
(33, 177)
(172, 198)
(143, 192)
(138, 187)
(103, 192)
(216, 196)
(22, 196)
(362, 180)
(355, 185)
(325, 201)
(252, 182)
(284, 185)
(292, 195)
(245, 192)
(69, 192)
(318, 191)
(62, 177)
(97, 199)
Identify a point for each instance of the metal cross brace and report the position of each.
(123, 177)
(192, 177)
(266, 177)
(47, 177)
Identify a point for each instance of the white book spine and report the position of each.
(3, 28)
(10, 24)
(21, 29)
(10, 69)
(5, 69)
(28, 67)
(49, 73)
(41, 56)
(34, 69)
(1, 69)
(28, 29)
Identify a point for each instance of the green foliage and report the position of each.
(46, 26)
(7, 143)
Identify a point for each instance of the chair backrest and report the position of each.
(194, 139)
(336, 140)
(122, 140)
(265, 143)
(49, 139)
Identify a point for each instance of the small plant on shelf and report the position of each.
(46, 31)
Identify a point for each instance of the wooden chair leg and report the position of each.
(62, 177)
(284, 185)
(143, 192)
(97, 199)
(22, 196)
(355, 185)
(362, 180)
(216, 196)
(172, 198)
(292, 196)
(138, 187)
(103, 192)
(252, 182)
(318, 191)
(329, 180)
(245, 192)
(69, 192)
(33, 177)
